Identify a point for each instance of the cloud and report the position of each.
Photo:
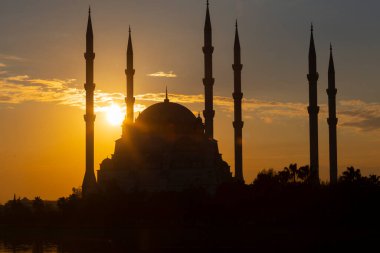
(263, 109)
(170, 74)
(20, 78)
(20, 89)
(365, 125)
(359, 115)
(354, 114)
(2, 65)
(11, 57)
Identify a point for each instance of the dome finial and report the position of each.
(166, 94)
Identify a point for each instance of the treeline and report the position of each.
(275, 197)
(278, 209)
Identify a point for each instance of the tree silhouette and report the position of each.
(303, 173)
(291, 174)
(351, 175)
(284, 176)
(292, 171)
(38, 205)
(374, 180)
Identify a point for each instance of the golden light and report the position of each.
(115, 115)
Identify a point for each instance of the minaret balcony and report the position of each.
(208, 81)
(331, 91)
(238, 124)
(208, 49)
(313, 76)
(89, 55)
(89, 86)
(313, 109)
(237, 95)
(332, 121)
(209, 113)
(89, 117)
(129, 100)
(130, 72)
(237, 66)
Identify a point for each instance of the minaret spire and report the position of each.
(166, 100)
(313, 110)
(208, 80)
(332, 120)
(129, 71)
(89, 34)
(237, 96)
(89, 180)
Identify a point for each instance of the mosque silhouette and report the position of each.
(168, 148)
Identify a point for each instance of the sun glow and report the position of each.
(115, 115)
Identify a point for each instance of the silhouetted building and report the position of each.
(167, 147)
(332, 120)
(313, 110)
(238, 123)
(89, 180)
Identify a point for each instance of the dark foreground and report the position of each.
(221, 239)
(270, 215)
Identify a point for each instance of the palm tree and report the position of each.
(304, 173)
(351, 175)
(290, 172)
(284, 175)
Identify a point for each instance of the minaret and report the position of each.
(129, 71)
(89, 181)
(238, 123)
(313, 110)
(166, 100)
(208, 80)
(332, 120)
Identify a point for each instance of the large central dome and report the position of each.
(167, 116)
(166, 112)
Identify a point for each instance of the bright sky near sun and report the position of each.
(42, 74)
(115, 115)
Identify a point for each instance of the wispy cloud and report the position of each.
(2, 65)
(170, 74)
(360, 115)
(22, 88)
(11, 57)
(263, 109)
(20, 78)
(354, 114)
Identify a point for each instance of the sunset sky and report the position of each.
(42, 72)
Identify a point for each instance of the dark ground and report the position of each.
(270, 215)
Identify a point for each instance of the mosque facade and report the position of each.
(167, 147)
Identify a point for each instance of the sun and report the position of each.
(115, 115)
